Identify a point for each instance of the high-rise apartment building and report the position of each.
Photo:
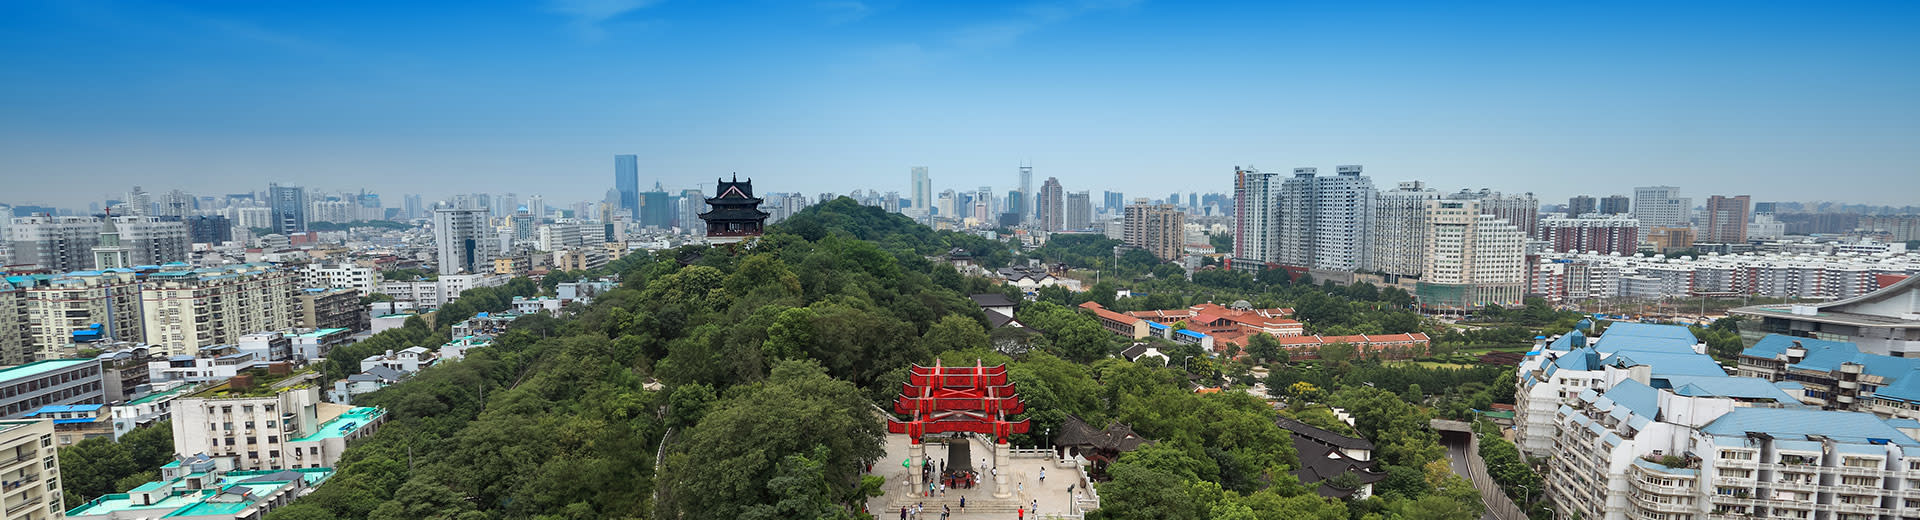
(176, 204)
(35, 493)
(209, 229)
(1726, 220)
(1612, 234)
(1581, 205)
(922, 189)
(1641, 424)
(66, 244)
(58, 306)
(275, 422)
(1052, 206)
(626, 180)
(15, 335)
(947, 204)
(288, 205)
(692, 204)
(1397, 241)
(1523, 211)
(1324, 220)
(184, 310)
(1473, 259)
(1662, 206)
(466, 242)
(1257, 215)
(1615, 205)
(1079, 211)
(58, 244)
(1160, 229)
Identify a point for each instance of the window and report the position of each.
(273, 438)
(273, 453)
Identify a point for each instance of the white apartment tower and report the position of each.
(1472, 258)
(1397, 242)
(1257, 214)
(1661, 206)
(1079, 211)
(465, 239)
(184, 310)
(1324, 220)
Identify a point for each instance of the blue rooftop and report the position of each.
(1626, 336)
(1852, 427)
(1749, 388)
(1643, 400)
(67, 408)
(1670, 363)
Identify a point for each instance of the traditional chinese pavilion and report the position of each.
(735, 213)
(943, 399)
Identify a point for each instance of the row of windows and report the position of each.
(62, 395)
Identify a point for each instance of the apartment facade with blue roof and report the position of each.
(1838, 375)
(1650, 436)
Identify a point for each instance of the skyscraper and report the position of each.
(1079, 211)
(1614, 205)
(465, 241)
(1026, 195)
(626, 180)
(1661, 206)
(1398, 239)
(1323, 221)
(1580, 205)
(289, 208)
(1113, 201)
(537, 206)
(1726, 220)
(139, 202)
(693, 203)
(1052, 206)
(922, 189)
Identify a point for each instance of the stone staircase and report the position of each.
(975, 505)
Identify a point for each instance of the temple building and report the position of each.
(735, 213)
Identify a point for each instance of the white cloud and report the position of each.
(589, 14)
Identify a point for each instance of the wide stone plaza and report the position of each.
(1022, 469)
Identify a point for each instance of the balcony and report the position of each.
(1858, 508)
(1859, 471)
(29, 502)
(1733, 482)
(1793, 485)
(8, 464)
(1736, 463)
(1643, 502)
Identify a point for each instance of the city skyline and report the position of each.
(535, 97)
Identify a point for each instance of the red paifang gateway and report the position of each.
(942, 399)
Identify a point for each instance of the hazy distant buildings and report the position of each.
(1052, 206)
(1025, 205)
(1112, 201)
(1614, 205)
(655, 209)
(922, 190)
(626, 181)
(1581, 205)
(1661, 207)
(466, 242)
(288, 207)
(58, 244)
(1079, 211)
(1726, 220)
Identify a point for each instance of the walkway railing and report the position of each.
(1501, 507)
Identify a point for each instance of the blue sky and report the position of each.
(1784, 101)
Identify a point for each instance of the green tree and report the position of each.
(954, 332)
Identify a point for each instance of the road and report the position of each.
(1457, 455)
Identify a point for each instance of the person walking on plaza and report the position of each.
(1043, 475)
(1021, 512)
(963, 504)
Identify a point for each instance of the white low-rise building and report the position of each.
(145, 410)
(263, 421)
(406, 361)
